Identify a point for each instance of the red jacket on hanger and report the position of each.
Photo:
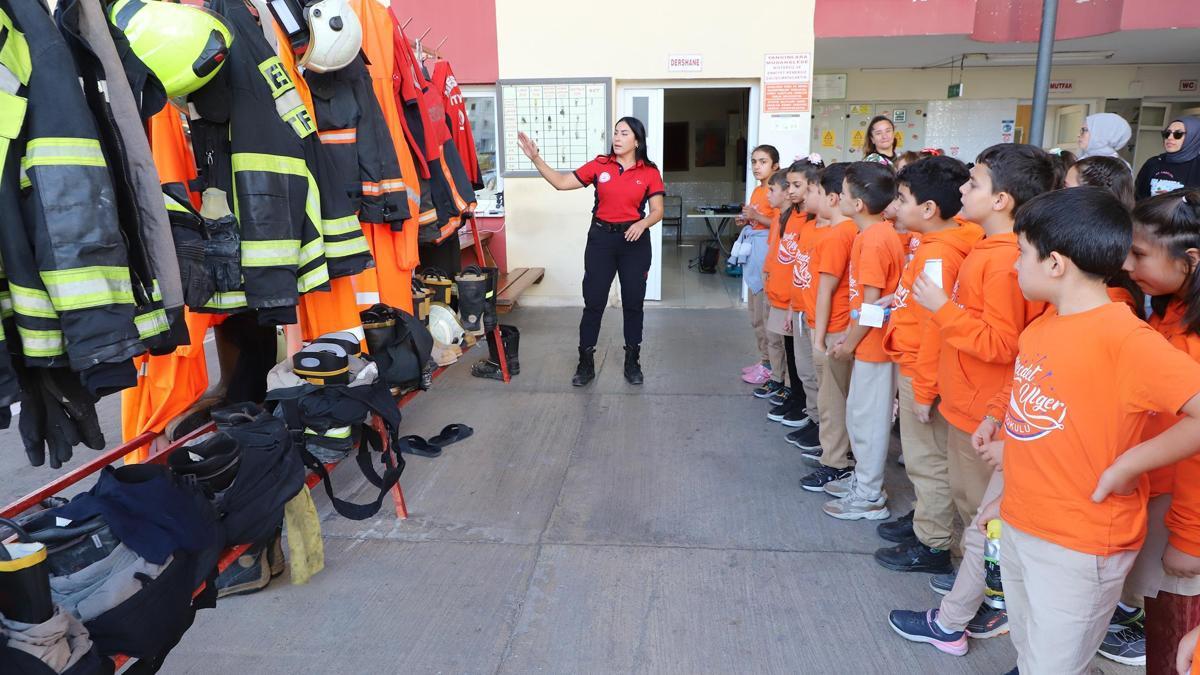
(446, 84)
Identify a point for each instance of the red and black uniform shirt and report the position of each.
(621, 194)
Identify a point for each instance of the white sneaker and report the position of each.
(855, 507)
(841, 487)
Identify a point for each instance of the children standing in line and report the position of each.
(758, 215)
(928, 200)
(978, 325)
(1163, 261)
(831, 260)
(777, 280)
(876, 262)
(1087, 374)
(1112, 174)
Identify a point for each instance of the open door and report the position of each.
(647, 106)
(1067, 122)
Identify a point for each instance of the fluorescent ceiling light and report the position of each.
(1029, 59)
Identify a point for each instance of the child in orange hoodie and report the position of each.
(978, 331)
(928, 201)
(830, 451)
(1088, 376)
(1163, 261)
(876, 261)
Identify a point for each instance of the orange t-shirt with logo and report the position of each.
(833, 258)
(979, 327)
(909, 337)
(876, 260)
(782, 250)
(805, 278)
(1081, 387)
(758, 199)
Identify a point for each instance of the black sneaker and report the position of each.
(1125, 618)
(783, 395)
(815, 481)
(768, 390)
(796, 418)
(1125, 645)
(914, 557)
(810, 457)
(781, 410)
(988, 622)
(898, 531)
(806, 438)
(942, 583)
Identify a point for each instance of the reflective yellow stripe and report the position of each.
(341, 249)
(173, 205)
(311, 251)
(254, 161)
(32, 302)
(63, 152)
(22, 555)
(338, 226)
(312, 279)
(86, 287)
(15, 52)
(270, 253)
(40, 343)
(228, 300)
(336, 432)
(151, 323)
(6, 305)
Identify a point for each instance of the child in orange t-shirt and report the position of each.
(928, 201)
(758, 215)
(876, 261)
(1086, 375)
(831, 320)
(1163, 262)
(774, 321)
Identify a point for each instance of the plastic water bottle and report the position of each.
(993, 593)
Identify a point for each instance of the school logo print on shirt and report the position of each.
(853, 283)
(900, 299)
(604, 177)
(801, 276)
(954, 295)
(1033, 409)
(789, 248)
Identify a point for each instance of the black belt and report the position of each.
(611, 227)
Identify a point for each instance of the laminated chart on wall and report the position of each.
(568, 119)
(963, 127)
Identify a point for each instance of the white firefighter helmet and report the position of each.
(335, 36)
(444, 325)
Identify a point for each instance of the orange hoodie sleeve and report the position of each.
(991, 337)
(1183, 518)
(925, 389)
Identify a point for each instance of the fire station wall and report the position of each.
(626, 40)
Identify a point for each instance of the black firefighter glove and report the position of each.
(57, 413)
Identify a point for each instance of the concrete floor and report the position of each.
(609, 529)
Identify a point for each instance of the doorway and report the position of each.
(700, 138)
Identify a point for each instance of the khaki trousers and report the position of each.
(1059, 601)
(969, 473)
(759, 307)
(833, 387)
(962, 602)
(805, 365)
(925, 461)
(869, 422)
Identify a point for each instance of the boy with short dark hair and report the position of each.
(927, 202)
(876, 262)
(1087, 375)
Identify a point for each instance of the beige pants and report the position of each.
(1059, 601)
(833, 387)
(759, 307)
(777, 329)
(1148, 578)
(805, 365)
(962, 602)
(926, 464)
(869, 422)
(969, 473)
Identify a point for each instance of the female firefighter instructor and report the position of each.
(625, 181)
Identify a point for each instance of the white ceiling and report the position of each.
(1142, 47)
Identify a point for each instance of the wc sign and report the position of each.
(685, 63)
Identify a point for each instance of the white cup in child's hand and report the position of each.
(933, 270)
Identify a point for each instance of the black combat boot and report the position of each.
(633, 367)
(586, 371)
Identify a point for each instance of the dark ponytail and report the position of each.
(1173, 218)
(639, 134)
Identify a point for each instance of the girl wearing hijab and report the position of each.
(1178, 167)
(1104, 136)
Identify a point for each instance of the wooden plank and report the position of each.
(516, 282)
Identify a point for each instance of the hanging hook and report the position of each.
(422, 38)
(438, 48)
(405, 24)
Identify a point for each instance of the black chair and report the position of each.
(673, 216)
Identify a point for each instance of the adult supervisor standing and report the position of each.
(626, 181)
(1176, 168)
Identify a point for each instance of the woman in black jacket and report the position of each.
(1176, 168)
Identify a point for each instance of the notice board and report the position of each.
(569, 119)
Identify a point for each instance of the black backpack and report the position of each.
(710, 255)
(401, 346)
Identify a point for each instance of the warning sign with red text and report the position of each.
(787, 83)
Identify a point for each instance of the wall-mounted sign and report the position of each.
(829, 86)
(1188, 85)
(900, 116)
(1061, 86)
(954, 91)
(787, 80)
(685, 63)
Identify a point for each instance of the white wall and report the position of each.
(630, 41)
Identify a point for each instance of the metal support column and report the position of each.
(1041, 83)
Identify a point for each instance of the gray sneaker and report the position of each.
(841, 487)
(942, 583)
(855, 507)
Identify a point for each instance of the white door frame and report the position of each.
(654, 129)
(626, 88)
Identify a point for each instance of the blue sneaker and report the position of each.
(1125, 645)
(922, 627)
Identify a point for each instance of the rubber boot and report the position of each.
(440, 285)
(510, 337)
(24, 579)
(379, 329)
(472, 288)
(633, 367)
(489, 298)
(586, 371)
(422, 299)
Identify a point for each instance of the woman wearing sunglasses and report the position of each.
(1178, 167)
